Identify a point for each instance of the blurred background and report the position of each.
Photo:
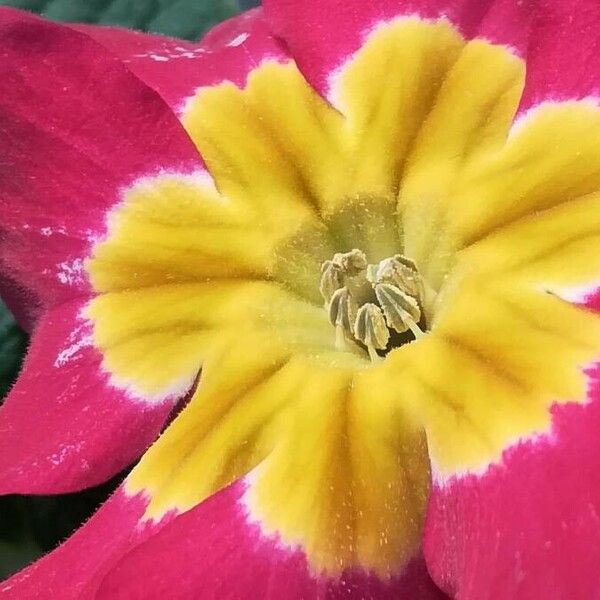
(30, 526)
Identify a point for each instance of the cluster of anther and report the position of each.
(367, 302)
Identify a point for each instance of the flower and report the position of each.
(356, 246)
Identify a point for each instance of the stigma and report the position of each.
(371, 304)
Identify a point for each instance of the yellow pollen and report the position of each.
(366, 302)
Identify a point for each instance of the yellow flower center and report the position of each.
(413, 204)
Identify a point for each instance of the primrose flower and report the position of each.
(345, 255)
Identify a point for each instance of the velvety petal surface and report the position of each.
(182, 270)
(563, 57)
(527, 528)
(176, 68)
(215, 551)
(64, 426)
(558, 38)
(294, 177)
(340, 504)
(76, 126)
(321, 50)
(523, 523)
(298, 153)
(524, 526)
(480, 545)
(351, 506)
(300, 189)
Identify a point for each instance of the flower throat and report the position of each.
(377, 306)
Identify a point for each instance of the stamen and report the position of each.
(399, 271)
(375, 358)
(353, 263)
(341, 270)
(332, 279)
(415, 329)
(366, 302)
(371, 330)
(340, 338)
(342, 310)
(399, 308)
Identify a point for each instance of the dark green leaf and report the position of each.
(179, 18)
(12, 346)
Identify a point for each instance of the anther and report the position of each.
(353, 262)
(399, 271)
(332, 279)
(370, 329)
(335, 272)
(401, 311)
(342, 310)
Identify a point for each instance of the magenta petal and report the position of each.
(208, 552)
(213, 552)
(564, 54)
(72, 572)
(63, 426)
(176, 68)
(75, 128)
(530, 527)
(167, 65)
(320, 48)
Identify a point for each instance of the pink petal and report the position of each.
(176, 68)
(212, 551)
(564, 55)
(558, 37)
(73, 571)
(75, 127)
(320, 48)
(63, 426)
(593, 300)
(529, 527)
(209, 552)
